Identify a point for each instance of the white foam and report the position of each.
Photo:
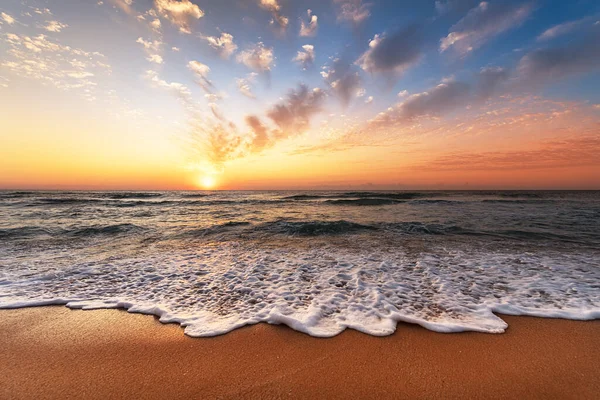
(320, 290)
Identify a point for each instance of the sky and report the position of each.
(290, 94)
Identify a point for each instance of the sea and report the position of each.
(319, 262)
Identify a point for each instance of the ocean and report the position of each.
(319, 262)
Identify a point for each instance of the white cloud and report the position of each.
(306, 58)
(245, 85)
(55, 26)
(7, 18)
(53, 63)
(182, 91)
(223, 44)
(258, 57)
(179, 12)
(201, 71)
(155, 58)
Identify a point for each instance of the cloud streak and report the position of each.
(482, 24)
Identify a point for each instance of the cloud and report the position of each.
(179, 12)
(152, 48)
(352, 10)
(445, 97)
(394, 53)
(369, 100)
(311, 28)
(292, 115)
(261, 138)
(490, 78)
(548, 65)
(443, 7)
(150, 45)
(55, 26)
(155, 25)
(245, 85)
(483, 23)
(7, 18)
(64, 67)
(179, 89)
(201, 73)
(564, 28)
(306, 58)
(258, 57)
(403, 93)
(223, 44)
(274, 8)
(554, 153)
(343, 81)
(155, 58)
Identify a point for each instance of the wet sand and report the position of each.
(54, 352)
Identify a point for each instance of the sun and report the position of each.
(207, 182)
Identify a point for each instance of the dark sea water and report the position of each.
(319, 262)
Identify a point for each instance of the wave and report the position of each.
(36, 231)
(133, 195)
(23, 232)
(518, 201)
(363, 202)
(65, 200)
(357, 195)
(104, 230)
(313, 228)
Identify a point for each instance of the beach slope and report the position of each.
(54, 352)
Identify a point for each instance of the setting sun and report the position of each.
(208, 182)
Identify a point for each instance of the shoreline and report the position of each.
(56, 352)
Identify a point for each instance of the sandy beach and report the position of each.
(54, 352)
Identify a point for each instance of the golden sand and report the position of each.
(54, 352)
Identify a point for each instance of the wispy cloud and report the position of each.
(43, 59)
(483, 23)
(566, 27)
(354, 11)
(246, 84)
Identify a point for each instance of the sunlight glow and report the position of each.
(208, 182)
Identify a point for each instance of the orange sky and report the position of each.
(78, 111)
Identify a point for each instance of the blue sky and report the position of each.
(267, 71)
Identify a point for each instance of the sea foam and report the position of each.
(320, 291)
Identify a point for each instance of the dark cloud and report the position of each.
(343, 80)
(446, 6)
(393, 53)
(442, 98)
(445, 97)
(549, 65)
(292, 115)
(489, 79)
